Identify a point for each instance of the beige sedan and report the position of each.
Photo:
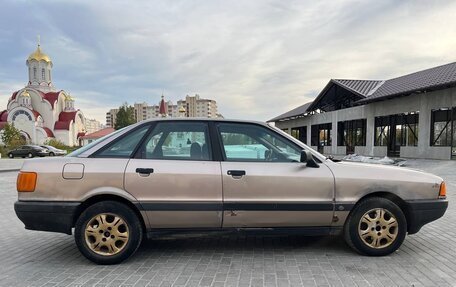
(176, 175)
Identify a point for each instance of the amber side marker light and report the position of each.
(442, 191)
(26, 181)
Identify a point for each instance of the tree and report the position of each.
(125, 116)
(11, 136)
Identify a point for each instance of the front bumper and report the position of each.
(55, 216)
(421, 212)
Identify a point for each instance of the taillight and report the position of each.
(442, 191)
(26, 181)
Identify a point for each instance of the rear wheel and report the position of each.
(30, 155)
(108, 232)
(10, 155)
(376, 227)
(51, 154)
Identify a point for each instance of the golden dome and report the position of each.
(38, 55)
(25, 94)
(68, 97)
(181, 109)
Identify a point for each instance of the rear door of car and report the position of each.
(266, 185)
(176, 178)
(24, 150)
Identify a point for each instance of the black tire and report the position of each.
(121, 210)
(352, 225)
(30, 155)
(10, 155)
(51, 154)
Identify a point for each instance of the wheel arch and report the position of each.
(390, 196)
(105, 197)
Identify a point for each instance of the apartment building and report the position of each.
(190, 107)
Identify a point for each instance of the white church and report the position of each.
(40, 111)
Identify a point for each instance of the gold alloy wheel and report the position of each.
(378, 228)
(106, 234)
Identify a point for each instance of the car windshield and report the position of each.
(92, 144)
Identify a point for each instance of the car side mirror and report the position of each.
(307, 157)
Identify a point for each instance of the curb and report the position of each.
(9, 170)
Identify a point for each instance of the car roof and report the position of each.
(204, 119)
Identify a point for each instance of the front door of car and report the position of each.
(174, 177)
(17, 151)
(266, 185)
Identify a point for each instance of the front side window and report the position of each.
(178, 141)
(125, 146)
(243, 142)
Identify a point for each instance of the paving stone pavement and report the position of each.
(32, 258)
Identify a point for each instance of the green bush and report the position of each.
(3, 151)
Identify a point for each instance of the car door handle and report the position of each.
(236, 173)
(144, 171)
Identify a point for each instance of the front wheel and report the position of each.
(30, 155)
(376, 227)
(108, 232)
(51, 154)
(10, 155)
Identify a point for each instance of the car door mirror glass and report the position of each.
(304, 156)
(308, 159)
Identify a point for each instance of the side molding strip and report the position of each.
(246, 206)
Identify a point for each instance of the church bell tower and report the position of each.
(39, 69)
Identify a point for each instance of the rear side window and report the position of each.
(125, 145)
(178, 141)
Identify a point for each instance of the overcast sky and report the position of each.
(257, 59)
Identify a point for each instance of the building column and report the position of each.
(370, 134)
(334, 134)
(424, 126)
(309, 133)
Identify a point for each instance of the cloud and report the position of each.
(258, 59)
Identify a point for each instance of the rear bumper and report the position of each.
(421, 212)
(55, 216)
